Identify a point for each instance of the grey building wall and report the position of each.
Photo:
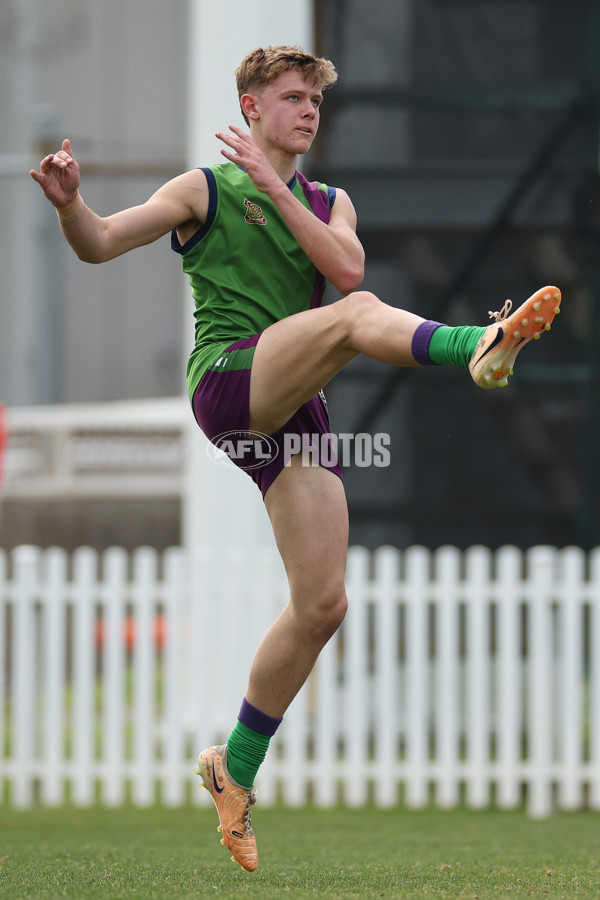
(466, 133)
(113, 77)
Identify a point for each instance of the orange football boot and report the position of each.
(233, 804)
(494, 357)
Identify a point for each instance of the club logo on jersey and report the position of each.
(254, 214)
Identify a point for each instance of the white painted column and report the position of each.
(223, 506)
(21, 320)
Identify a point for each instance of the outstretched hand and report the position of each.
(59, 176)
(245, 153)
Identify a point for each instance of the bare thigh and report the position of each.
(299, 355)
(293, 360)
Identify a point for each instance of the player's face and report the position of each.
(289, 112)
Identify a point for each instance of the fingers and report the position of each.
(230, 156)
(236, 152)
(54, 163)
(240, 132)
(241, 137)
(46, 163)
(228, 139)
(61, 159)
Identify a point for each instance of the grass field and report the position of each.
(304, 853)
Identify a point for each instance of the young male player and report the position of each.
(258, 243)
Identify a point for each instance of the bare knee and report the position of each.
(362, 302)
(362, 307)
(323, 616)
(333, 613)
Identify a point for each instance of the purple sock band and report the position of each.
(420, 342)
(258, 721)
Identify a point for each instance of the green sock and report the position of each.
(246, 749)
(454, 346)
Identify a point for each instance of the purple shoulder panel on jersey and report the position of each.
(320, 203)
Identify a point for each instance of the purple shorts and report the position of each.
(221, 404)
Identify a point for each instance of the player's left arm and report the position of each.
(342, 224)
(333, 247)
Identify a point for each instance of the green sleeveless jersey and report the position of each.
(245, 267)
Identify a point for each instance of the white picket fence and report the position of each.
(457, 677)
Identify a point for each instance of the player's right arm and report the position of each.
(97, 239)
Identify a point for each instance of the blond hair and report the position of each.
(265, 64)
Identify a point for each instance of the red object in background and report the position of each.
(129, 631)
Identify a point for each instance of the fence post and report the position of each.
(509, 674)
(540, 580)
(84, 586)
(594, 575)
(477, 675)
(569, 732)
(114, 574)
(3, 661)
(418, 600)
(356, 719)
(386, 700)
(325, 727)
(143, 595)
(172, 731)
(53, 654)
(448, 588)
(26, 562)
